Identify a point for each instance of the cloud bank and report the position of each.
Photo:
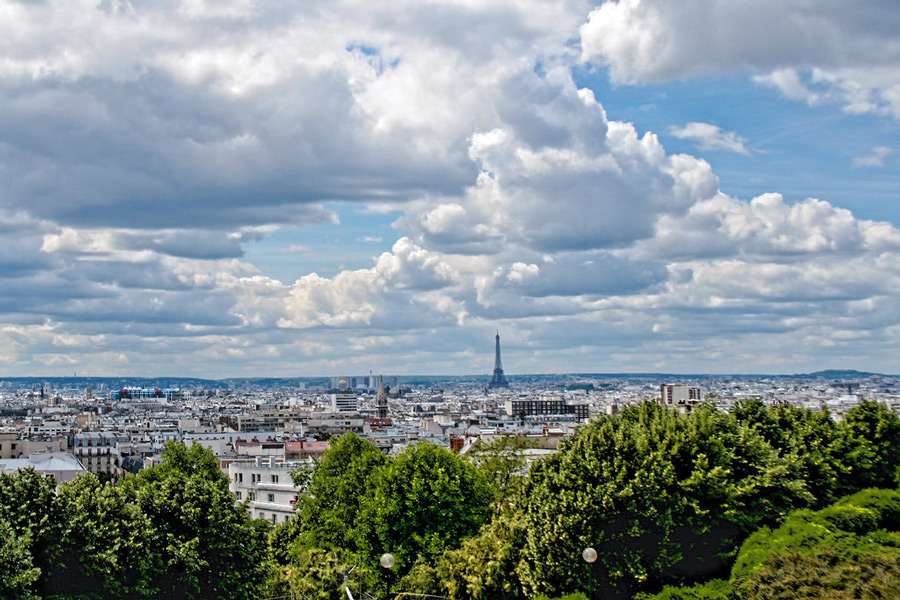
(144, 147)
(818, 52)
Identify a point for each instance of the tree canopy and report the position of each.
(173, 531)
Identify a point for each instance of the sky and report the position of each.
(237, 188)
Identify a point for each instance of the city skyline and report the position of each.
(233, 189)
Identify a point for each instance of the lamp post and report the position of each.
(387, 562)
(590, 555)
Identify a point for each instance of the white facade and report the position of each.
(344, 402)
(679, 394)
(268, 487)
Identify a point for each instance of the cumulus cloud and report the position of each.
(711, 137)
(828, 51)
(133, 181)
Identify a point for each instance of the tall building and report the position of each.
(499, 379)
(381, 401)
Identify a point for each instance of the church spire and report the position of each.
(381, 400)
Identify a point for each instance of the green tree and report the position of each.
(850, 549)
(811, 440)
(17, 572)
(27, 508)
(425, 501)
(485, 565)
(101, 551)
(660, 495)
(871, 446)
(503, 462)
(201, 544)
(335, 488)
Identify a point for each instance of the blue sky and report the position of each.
(235, 188)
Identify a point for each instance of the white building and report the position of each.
(267, 485)
(344, 402)
(679, 394)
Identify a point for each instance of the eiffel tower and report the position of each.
(499, 379)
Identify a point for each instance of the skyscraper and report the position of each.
(499, 379)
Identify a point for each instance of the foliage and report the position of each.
(486, 565)
(201, 544)
(302, 473)
(502, 461)
(173, 531)
(811, 440)
(660, 495)
(423, 502)
(361, 504)
(716, 589)
(101, 551)
(843, 551)
(17, 573)
(871, 447)
(336, 486)
(27, 509)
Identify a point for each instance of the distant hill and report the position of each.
(839, 374)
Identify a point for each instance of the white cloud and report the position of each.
(146, 146)
(875, 159)
(833, 51)
(711, 137)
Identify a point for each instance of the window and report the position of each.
(271, 497)
(262, 515)
(240, 477)
(237, 495)
(274, 478)
(274, 517)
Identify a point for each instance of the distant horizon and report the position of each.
(819, 373)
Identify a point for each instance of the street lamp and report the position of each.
(387, 562)
(590, 555)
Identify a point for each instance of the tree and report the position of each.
(27, 509)
(329, 510)
(809, 439)
(201, 544)
(485, 565)
(101, 551)
(425, 501)
(660, 495)
(17, 572)
(871, 447)
(503, 462)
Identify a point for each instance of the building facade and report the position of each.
(267, 487)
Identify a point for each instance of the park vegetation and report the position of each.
(756, 503)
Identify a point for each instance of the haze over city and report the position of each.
(232, 188)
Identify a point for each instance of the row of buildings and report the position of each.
(260, 434)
